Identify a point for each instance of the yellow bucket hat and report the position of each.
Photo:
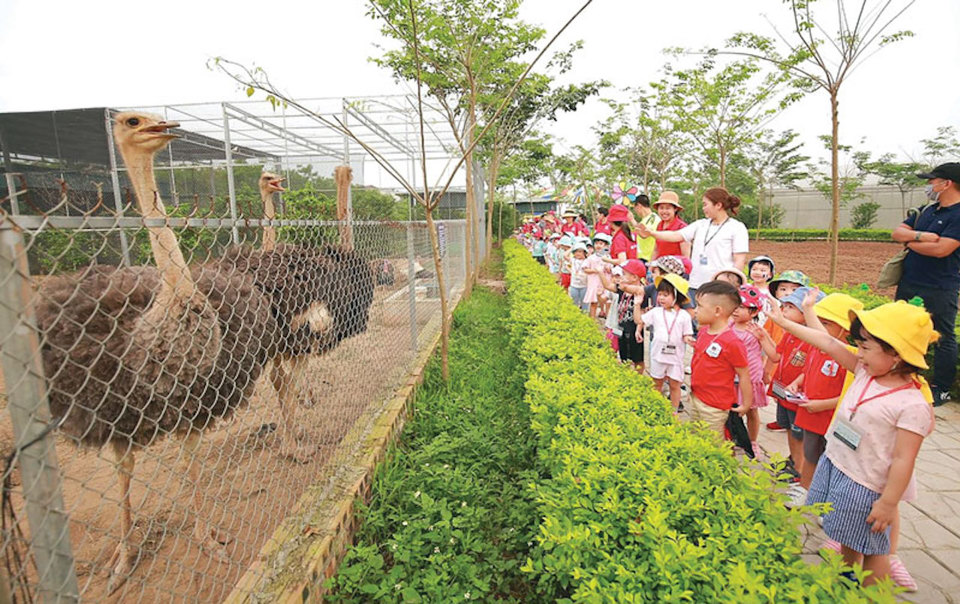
(905, 327)
(836, 308)
(679, 283)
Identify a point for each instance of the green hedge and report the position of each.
(822, 234)
(634, 506)
(451, 514)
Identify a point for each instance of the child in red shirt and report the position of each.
(718, 358)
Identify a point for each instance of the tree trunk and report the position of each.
(760, 210)
(494, 168)
(835, 187)
(723, 168)
(441, 284)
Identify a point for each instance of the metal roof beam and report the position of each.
(263, 124)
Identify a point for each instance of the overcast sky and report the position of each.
(58, 55)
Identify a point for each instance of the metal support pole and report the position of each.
(173, 179)
(346, 162)
(231, 188)
(30, 417)
(412, 278)
(11, 182)
(115, 181)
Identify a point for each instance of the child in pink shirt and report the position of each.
(746, 328)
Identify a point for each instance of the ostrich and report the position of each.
(320, 297)
(135, 354)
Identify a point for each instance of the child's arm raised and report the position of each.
(821, 339)
(608, 283)
(809, 314)
(766, 342)
(884, 510)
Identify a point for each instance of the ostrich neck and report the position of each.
(269, 213)
(177, 281)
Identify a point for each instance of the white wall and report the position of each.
(807, 208)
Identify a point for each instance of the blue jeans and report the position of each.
(942, 305)
(578, 294)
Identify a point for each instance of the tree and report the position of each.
(255, 79)
(864, 215)
(815, 59)
(722, 108)
(775, 161)
(902, 175)
(845, 177)
(941, 148)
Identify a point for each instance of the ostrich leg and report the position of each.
(205, 534)
(121, 560)
(286, 384)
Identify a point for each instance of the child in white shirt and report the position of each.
(672, 330)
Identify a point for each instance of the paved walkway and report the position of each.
(930, 526)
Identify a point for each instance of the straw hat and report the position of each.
(569, 214)
(669, 198)
(905, 327)
(836, 308)
(679, 283)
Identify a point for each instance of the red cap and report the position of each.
(635, 267)
(618, 213)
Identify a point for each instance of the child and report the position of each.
(781, 287)
(594, 265)
(539, 249)
(672, 329)
(822, 380)
(578, 278)
(718, 358)
(550, 254)
(612, 324)
(630, 292)
(744, 326)
(881, 421)
(565, 244)
(760, 270)
(790, 356)
(731, 275)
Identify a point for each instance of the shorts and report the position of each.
(813, 446)
(852, 502)
(630, 349)
(540, 259)
(786, 419)
(659, 370)
(716, 419)
(577, 294)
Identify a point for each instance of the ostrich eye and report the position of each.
(133, 122)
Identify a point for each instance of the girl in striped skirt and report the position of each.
(879, 425)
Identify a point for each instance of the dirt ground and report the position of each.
(860, 261)
(247, 487)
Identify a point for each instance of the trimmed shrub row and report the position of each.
(634, 506)
(451, 514)
(822, 234)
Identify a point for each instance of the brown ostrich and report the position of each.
(320, 296)
(136, 354)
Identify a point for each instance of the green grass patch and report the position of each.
(452, 514)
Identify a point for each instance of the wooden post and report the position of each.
(343, 175)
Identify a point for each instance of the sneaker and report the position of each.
(900, 575)
(775, 427)
(940, 397)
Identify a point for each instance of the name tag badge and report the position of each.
(669, 349)
(703, 260)
(713, 350)
(847, 433)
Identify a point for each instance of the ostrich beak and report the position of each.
(276, 184)
(162, 128)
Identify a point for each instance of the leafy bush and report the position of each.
(823, 234)
(864, 215)
(451, 515)
(634, 506)
(749, 215)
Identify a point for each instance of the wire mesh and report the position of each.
(176, 410)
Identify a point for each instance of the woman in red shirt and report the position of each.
(668, 207)
(623, 247)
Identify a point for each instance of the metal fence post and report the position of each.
(412, 277)
(231, 187)
(115, 181)
(30, 417)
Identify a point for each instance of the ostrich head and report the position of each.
(142, 132)
(271, 183)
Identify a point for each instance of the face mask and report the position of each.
(931, 194)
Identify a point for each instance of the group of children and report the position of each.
(854, 416)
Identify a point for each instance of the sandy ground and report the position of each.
(246, 486)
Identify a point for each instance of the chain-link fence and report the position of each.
(184, 352)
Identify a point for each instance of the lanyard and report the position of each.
(708, 238)
(671, 326)
(862, 400)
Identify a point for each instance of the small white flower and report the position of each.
(529, 543)
(452, 540)
(446, 466)
(398, 586)
(417, 494)
(426, 465)
(466, 596)
(394, 547)
(404, 523)
(463, 504)
(436, 550)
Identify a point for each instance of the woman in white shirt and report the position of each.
(719, 240)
